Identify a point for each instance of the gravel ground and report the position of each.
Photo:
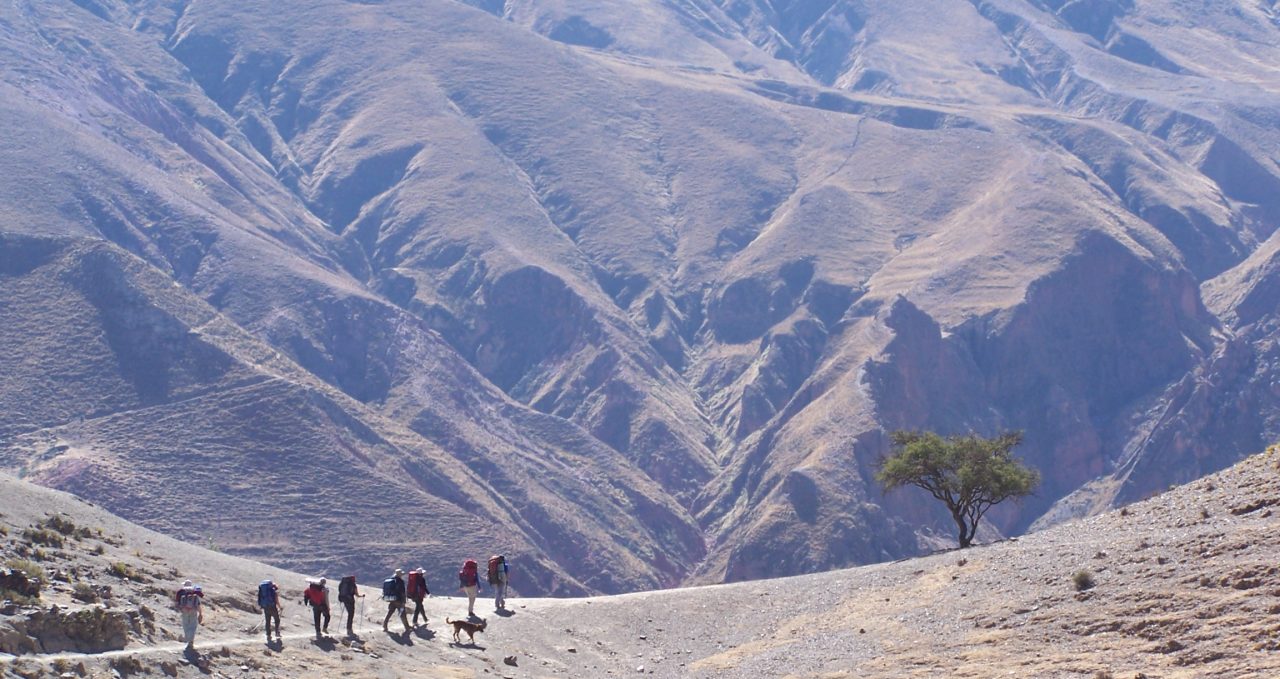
(1186, 584)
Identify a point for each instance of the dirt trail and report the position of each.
(207, 642)
(177, 647)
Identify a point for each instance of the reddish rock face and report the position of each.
(632, 298)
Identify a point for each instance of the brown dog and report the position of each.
(471, 628)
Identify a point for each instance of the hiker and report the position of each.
(469, 582)
(188, 600)
(393, 592)
(269, 601)
(347, 593)
(498, 580)
(317, 595)
(417, 590)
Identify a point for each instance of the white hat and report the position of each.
(186, 583)
(399, 572)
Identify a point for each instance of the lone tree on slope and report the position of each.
(967, 473)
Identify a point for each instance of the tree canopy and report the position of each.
(968, 473)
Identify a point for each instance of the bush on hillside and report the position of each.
(66, 527)
(43, 536)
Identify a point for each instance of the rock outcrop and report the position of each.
(18, 582)
(91, 629)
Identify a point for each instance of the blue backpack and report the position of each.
(389, 592)
(267, 594)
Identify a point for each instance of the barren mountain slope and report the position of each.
(1183, 585)
(179, 411)
(708, 251)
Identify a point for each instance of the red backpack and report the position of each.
(314, 595)
(467, 576)
(417, 586)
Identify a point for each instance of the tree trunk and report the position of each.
(966, 533)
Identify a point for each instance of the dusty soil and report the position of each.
(1185, 584)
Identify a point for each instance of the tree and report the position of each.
(968, 473)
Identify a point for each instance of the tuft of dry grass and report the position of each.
(124, 571)
(85, 592)
(32, 570)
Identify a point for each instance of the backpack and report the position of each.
(467, 576)
(417, 585)
(389, 589)
(314, 595)
(347, 588)
(267, 594)
(188, 600)
(496, 563)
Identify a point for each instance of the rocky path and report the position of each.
(179, 647)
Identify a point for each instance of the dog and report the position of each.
(471, 628)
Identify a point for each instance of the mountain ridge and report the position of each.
(510, 244)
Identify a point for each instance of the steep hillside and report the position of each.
(629, 289)
(205, 433)
(1180, 585)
